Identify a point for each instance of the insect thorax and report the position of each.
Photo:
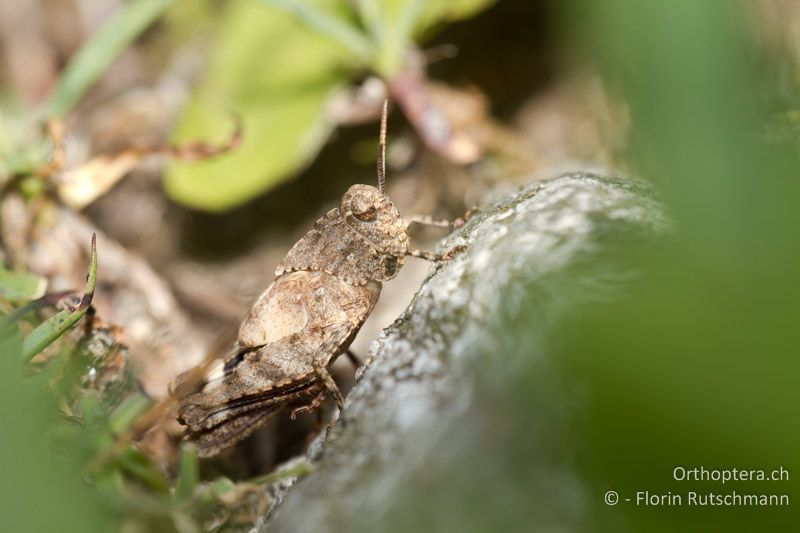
(334, 247)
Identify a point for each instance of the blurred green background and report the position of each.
(698, 367)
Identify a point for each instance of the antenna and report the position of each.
(382, 148)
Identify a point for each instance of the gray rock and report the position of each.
(458, 419)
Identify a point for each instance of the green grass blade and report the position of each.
(327, 25)
(399, 26)
(188, 474)
(408, 18)
(371, 17)
(95, 56)
(52, 328)
(137, 465)
(125, 415)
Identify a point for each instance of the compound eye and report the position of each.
(367, 216)
(364, 211)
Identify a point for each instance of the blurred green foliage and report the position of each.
(24, 147)
(16, 286)
(702, 369)
(277, 78)
(58, 474)
(276, 63)
(95, 56)
(40, 489)
(273, 63)
(611, 385)
(62, 463)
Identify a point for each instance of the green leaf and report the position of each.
(95, 56)
(277, 77)
(52, 328)
(18, 286)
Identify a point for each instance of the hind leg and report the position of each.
(313, 406)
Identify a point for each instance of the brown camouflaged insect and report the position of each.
(325, 288)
